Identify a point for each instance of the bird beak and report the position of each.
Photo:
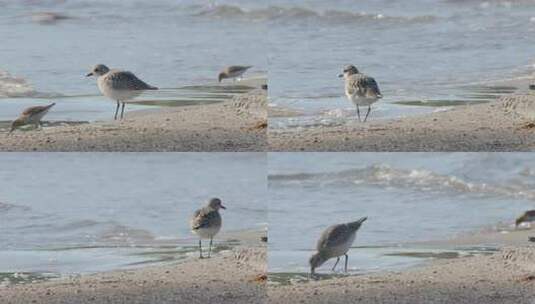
(340, 75)
(223, 207)
(90, 74)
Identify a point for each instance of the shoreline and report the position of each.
(230, 276)
(507, 276)
(501, 125)
(235, 125)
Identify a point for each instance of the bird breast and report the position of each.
(106, 88)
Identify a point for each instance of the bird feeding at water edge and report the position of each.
(233, 71)
(335, 242)
(31, 115)
(526, 217)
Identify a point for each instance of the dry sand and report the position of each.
(503, 125)
(235, 125)
(236, 276)
(505, 277)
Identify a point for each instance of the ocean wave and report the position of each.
(48, 17)
(5, 207)
(419, 179)
(300, 13)
(122, 235)
(11, 86)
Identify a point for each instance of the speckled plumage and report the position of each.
(206, 222)
(118, 85)
(360, 89)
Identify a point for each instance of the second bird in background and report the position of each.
(233, 71)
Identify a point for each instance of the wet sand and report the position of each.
(502, 125)
(232, 276)
(235, 125)
(504, 277)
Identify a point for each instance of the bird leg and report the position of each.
(337, 260)
(200, 249)
(116, 110)
(210, 248)
(347, 257)
(358, 112)
(122, 110)
(369, 109)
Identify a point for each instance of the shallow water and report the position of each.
(166, 43)
(408, 198)
(69, 213)
(421, 52)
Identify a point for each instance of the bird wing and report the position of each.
(333, 236)
(203, 218)
(363, 86)
(124, 80)
(36, 109)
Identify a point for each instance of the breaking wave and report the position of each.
(300, 13)
(11, 86)
(419, 179)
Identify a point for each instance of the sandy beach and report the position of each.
(230, 276)
(507, 276)
(502, 125)
(234, 125)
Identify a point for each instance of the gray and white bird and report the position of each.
(31, 115)
(206, 222)
(526, 217)
(118, 85)
(335, 242)
(360, 89)
(233, 71)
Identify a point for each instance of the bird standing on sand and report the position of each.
(233, 71)
(206, 222)
(528, 216)
(360, 89)
(31, 115)
(118, 85)
(334, 242)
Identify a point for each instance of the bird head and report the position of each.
(315, 261)
(519, 221)
(15, 124)
(98, 70)
(216, 204)
(349, 70)
(221, 76)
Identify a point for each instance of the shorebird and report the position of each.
(233, 71)
(360, 89)
(206, 222)
(334, 242)
(118, 85)
(31, 115)
(528, 216)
